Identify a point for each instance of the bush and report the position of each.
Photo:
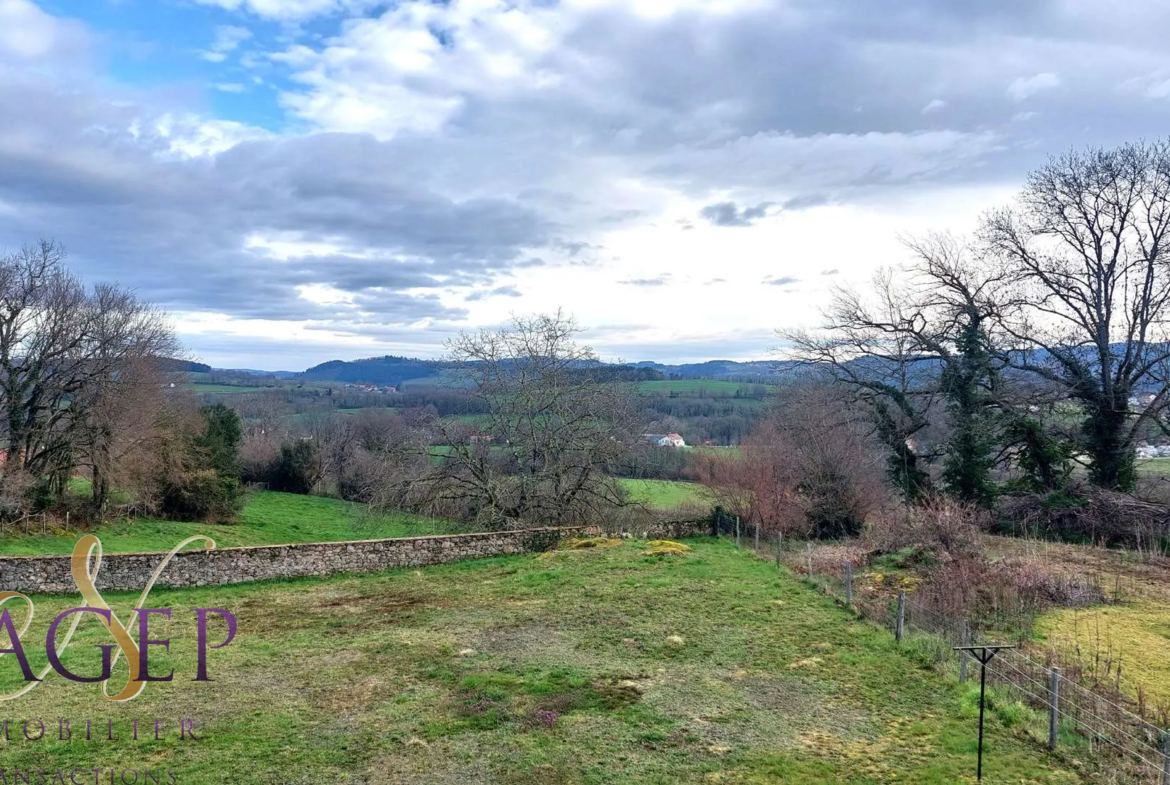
(938, 527)
(296, 468)
(202, 495)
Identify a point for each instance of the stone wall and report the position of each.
(131, 571)
(668, 530)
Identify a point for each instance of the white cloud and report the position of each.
(935, 105)
(227, 39)
(1022, 88)
(286, 9)
(28, 33)
(192, 136)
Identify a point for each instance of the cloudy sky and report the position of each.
(303, 180)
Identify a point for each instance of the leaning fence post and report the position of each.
(1053, 706)
(900, 625)
(737, 531)
(964, 640)
(849, 584)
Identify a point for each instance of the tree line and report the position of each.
(86, 390)
(1009, 362)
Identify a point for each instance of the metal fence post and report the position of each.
(901, 622)
(737, 531)
(1053, 706)
(1165, 757)
(964, 640)
(849, 584)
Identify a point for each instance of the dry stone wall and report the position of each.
(131, 571)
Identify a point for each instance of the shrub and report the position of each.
(296, 469)
(939, 527)
(202, 495)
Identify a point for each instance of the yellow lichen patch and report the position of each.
(666, 548)
(1136, 636)
(811, 662)
(580, 543)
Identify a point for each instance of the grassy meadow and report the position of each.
(666, 494)
(268, 518)
(579, 666)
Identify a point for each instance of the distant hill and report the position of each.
(389, 370)
(172, 365)
(762, 370)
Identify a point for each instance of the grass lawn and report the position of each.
(666, 494)
(594, 666)
(268, 518)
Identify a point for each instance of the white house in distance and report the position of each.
(667, 440)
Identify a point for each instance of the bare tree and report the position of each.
(812, 467)
(557, 426)
(870, 349)
(65, 353)
(1086, 245)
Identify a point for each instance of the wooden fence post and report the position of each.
(757, 525)
(779, 546)
(737, 531)
(808, 553)
(900, 625)
(1053, 706)
(849, 584)
(67, 521)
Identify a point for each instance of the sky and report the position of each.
(303, 180)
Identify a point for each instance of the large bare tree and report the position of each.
(1086, 244)
(558, 425)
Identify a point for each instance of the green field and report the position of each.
(598, 666)
(1154, 467)
(268, 518)
(666, 494)
(226, 388)
(698, 387)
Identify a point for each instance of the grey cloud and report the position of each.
(659, 280)
(727, 214)
(499, 291)
(787, 280)
(834, 271)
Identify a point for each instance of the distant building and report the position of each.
(671, 440)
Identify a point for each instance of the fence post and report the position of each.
(901, 623)
(757, 525)
(964, 640)
(1165, 757)
(737, 531)
(67, 521)
(1053, 706)
(849, 584)
(808, 553)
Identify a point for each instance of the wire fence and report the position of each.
(1117, 739)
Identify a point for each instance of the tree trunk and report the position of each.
(1113, 464)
